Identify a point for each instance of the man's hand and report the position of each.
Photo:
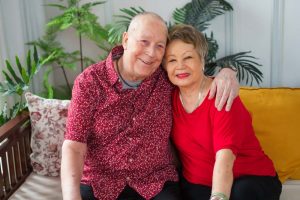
(226, 87)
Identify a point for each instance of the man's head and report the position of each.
(144, 45)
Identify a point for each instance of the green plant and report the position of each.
(6, 114)
(199, 13)
(80, 18)
(17, 80)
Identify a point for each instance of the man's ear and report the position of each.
(125, 40)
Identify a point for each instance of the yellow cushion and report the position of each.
(276, 120)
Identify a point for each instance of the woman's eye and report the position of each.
(188, 57)
(172, 60)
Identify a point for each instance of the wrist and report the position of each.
(218, 196)
(233, 68)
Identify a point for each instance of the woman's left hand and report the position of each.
(226, 87)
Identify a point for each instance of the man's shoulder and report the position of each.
(92, 72)
(164, 80)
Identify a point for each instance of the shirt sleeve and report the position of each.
(229, 127)
(81, 110)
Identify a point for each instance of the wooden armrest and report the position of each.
(14, 153)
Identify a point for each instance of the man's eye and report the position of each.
(144, 42)
(161, 46)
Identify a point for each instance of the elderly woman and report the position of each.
(221, 157)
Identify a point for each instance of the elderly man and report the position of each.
(119, 121)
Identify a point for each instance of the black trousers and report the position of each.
(170, 191)
(243, 188)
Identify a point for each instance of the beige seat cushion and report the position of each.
(38, 187)
(290, 190)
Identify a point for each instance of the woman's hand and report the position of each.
(226, 87)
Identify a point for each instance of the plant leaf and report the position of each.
(12, 72)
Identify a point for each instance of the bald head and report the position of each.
(144, 17)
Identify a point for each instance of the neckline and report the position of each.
(128, 84)
(201, 96)
(197, 108)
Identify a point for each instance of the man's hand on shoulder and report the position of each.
(226, 87)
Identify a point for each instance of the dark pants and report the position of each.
(243, 188)
(170, 191)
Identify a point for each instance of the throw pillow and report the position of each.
(275, 118)
(48, 122)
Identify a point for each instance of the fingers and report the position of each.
(226, 88)
(213, 89)
(233, 94)
(224, 96)
(230, 101)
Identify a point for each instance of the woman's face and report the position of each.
(183, 64)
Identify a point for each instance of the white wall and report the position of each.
(20, 22)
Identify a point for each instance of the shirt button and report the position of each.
(130, 139)
(133, 119)
(127, 178)
(130, 160)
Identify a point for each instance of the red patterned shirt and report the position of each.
(126, 131)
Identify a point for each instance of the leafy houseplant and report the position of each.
(80, 18)
(18, 82)
(198, 13)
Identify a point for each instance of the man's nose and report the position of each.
(151, 51)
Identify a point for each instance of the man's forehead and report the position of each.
(143, 20)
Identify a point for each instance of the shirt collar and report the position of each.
(113, 77)
(115, 53)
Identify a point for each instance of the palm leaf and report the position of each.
(122, 23)
(91, 4)
(73, 2)
(7, 78)
(179, 15)
(213, 47)
(199, 12)
(61, 7)
(46, 83)
(246, 66)
(28, 61)
(12, 72)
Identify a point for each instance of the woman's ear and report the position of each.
(125, 40)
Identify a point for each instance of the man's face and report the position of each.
(144, 47)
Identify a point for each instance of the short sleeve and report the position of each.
(82, 107)
(229, 127)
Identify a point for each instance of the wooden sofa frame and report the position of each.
(15, 151)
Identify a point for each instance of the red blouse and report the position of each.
(200, 134)
(126, 131)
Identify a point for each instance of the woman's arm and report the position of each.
(222, 174)
(73, 155)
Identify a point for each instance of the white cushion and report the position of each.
(38, 187)
(290, 190)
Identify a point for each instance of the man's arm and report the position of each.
(73, 155)
(226, 87)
